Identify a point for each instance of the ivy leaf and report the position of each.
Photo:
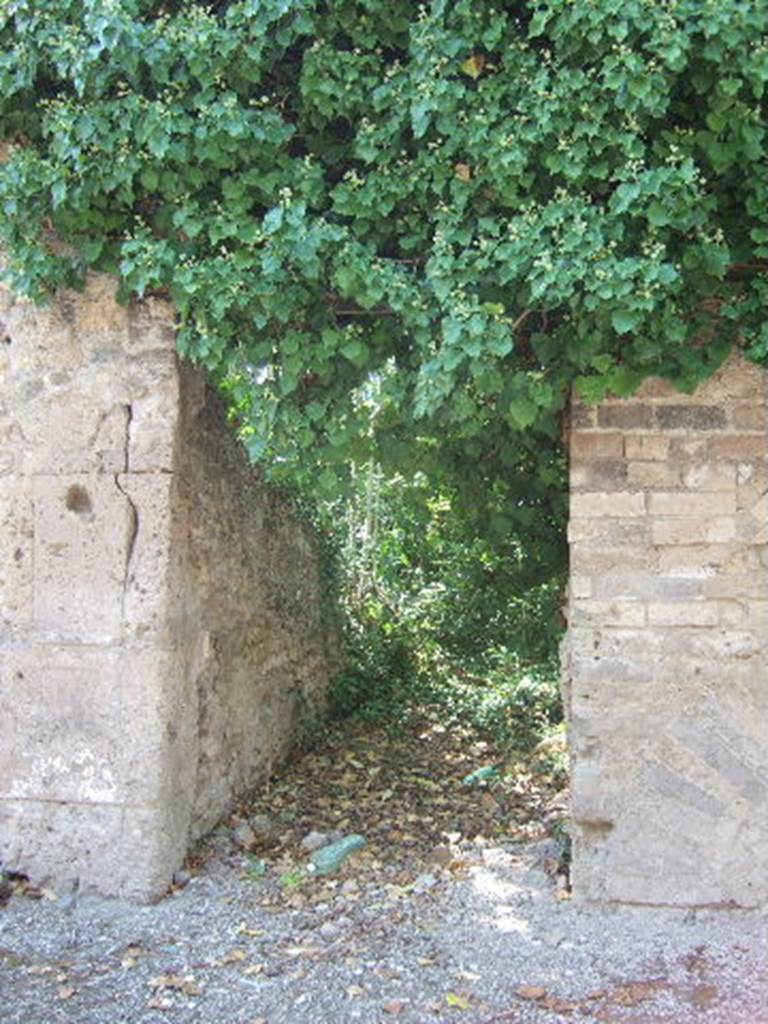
(522, 412)
(625, 320)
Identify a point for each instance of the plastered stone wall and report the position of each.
(161, 634)
(665, 666)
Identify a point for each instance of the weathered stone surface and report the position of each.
(666, 659)
(161, 638)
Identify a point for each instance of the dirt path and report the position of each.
(452, 912)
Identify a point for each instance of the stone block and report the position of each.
(647, 586)
(627, 415)
(108, 848)
(613, 504)
(687, 530)
(653, 475)
(718, 503)
(749, 417)
(83, 531)
(710, 477)
(609, 533)
(683, 613)
(646, 447)
(16, 558)
(602, 475)
(60, 705)
(596, 445)
(616, 612)
(736, 447)
(691, 417)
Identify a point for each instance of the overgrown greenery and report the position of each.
(440, 619)
(476, 202)
(400, 233)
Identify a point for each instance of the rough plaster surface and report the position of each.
(666, 658)
(161, 640)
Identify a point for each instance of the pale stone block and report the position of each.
(596, 445)
(717, 503)
(610, 613)
(153, 422)
(646, 447)
(610, 533)
(615, 504)
(653, 475)
(16, 557)
(107, 848)
(704, 559)
(149, 557)
(686, 531)
(737, 447)
(82, 537)
(709, 477)
(579, 586)
(606, 559)
(683, 613)
(758, 616)
(680, 531)
(721, 530)
(733, 613)
(749, 417)
(737, 585)
(647, 586)
(60, 705)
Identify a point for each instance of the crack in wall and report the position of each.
(133, 512)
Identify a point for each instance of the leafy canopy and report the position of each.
(401, 231)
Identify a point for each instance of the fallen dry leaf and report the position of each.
(353, 991)
(253, 969)
(254, 933)
(66, 992)
(636, 992)
(457, 1000)
(234, 956)
(160, 1003)
(394, 1007)
(177, 982)
(557, 1005)
(703, 995)
(530, 992)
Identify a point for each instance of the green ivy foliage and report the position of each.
(401, 231)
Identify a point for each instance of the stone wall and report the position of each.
(161, 639)
(666, 667)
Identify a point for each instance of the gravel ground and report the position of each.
(483, 940)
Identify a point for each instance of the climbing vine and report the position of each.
(400, 231)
